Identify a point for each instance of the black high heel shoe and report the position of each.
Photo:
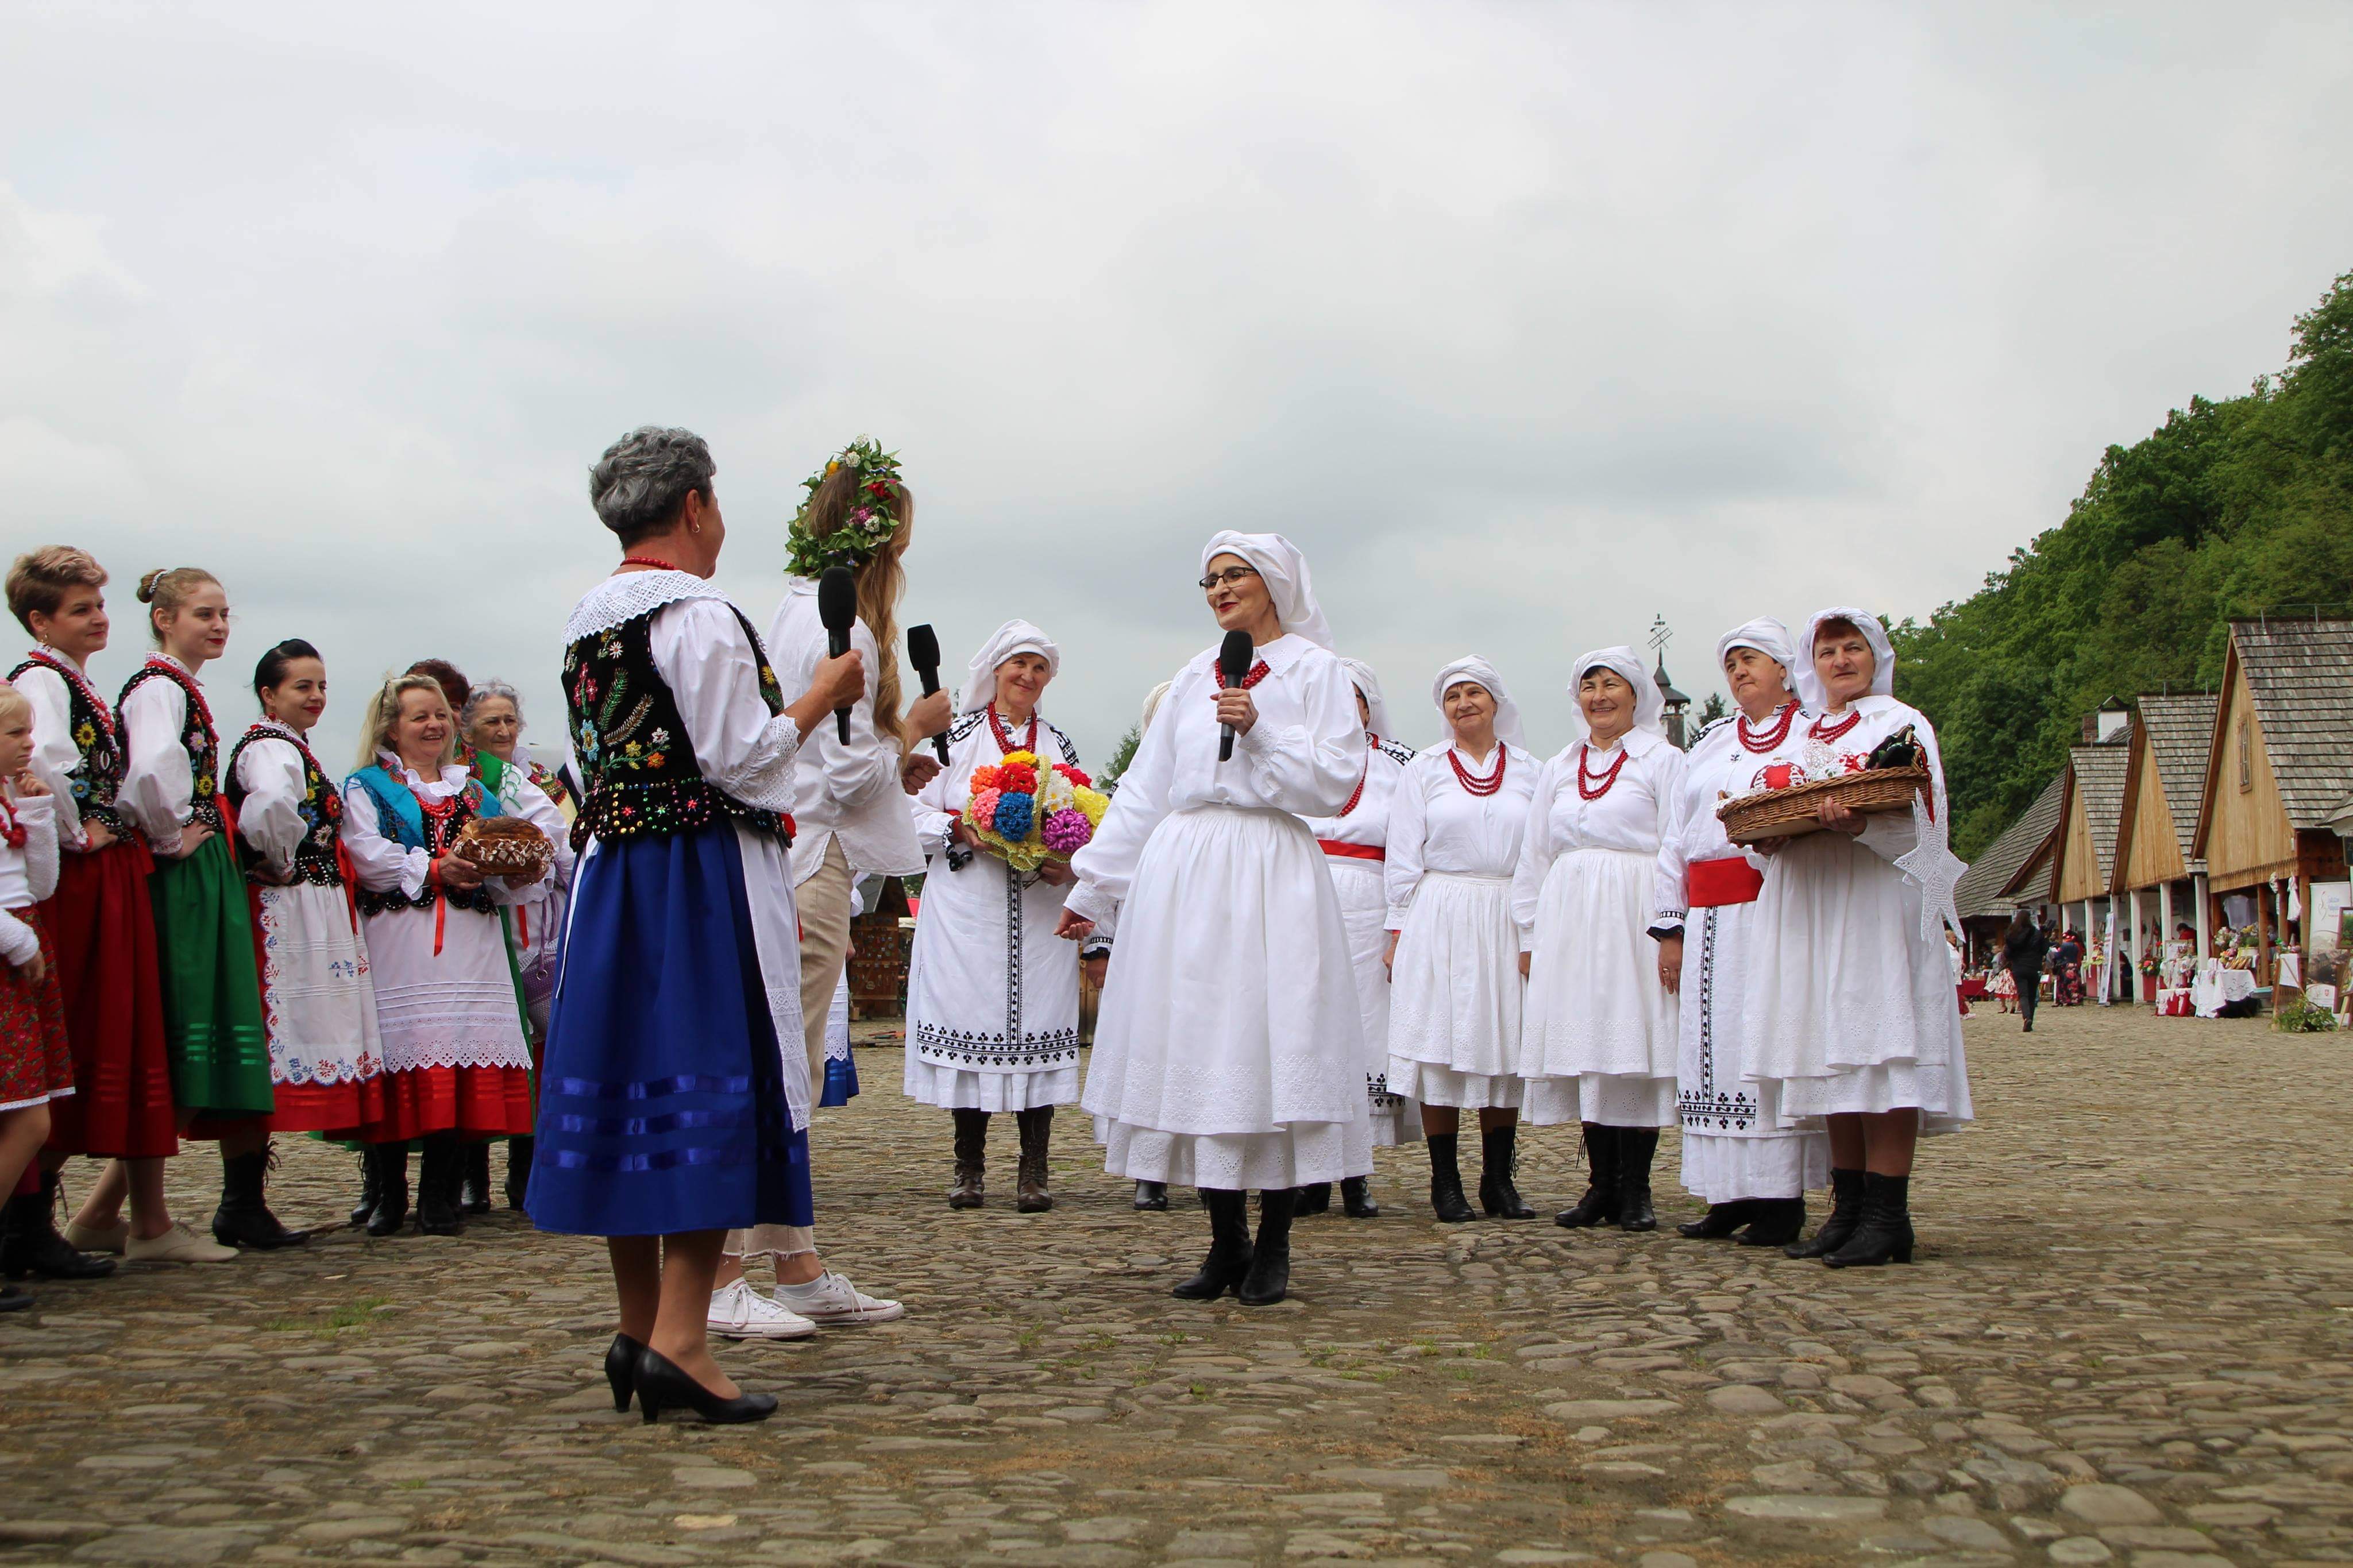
(662, 1384)
(621, 1368)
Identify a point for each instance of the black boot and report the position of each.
(1498, 1153)
(1152, 1197)
(243, 1218)
(1446, 1197)
(391, 1187)
(439, 1169)
(1229, 1247)
(1636, 1147)
(1356, 1198)
(1846, 1213)
(370, 1189)
(1268, 1279)
(971, 1160)
(30, 1245)
(1720, 1221)
(1316, 1197)
(1031, 1193)
(1599, 1204)
(519, 1154)
(1778, 1222)
(1885, 1233)
(474, 1189)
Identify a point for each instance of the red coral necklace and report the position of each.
(1473, 783)
(1778, 732)
(1004, 745)
(1586, 782)
(1820, 732)
(1257, 672)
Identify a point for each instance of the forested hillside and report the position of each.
(2233, 508)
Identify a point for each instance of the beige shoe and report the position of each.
(177, 1245)
(89, 1239)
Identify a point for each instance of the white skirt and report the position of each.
(1455, 1003)
(992, 993)
(1229, 1052)
(1599, 1029)
(1727, 1170)
(454, 1009)
(1363, 911)
(1736, 1143)
(318, 996)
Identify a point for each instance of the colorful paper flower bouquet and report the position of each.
(1027, 814)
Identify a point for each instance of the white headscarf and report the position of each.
(1284, 570)
(1883, 656)
(1650, 703)
(1012, 637)
(1369, 685)
(1767, 636)
(1471, 668)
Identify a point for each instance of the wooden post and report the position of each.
(2203, 893)
(2262, 934)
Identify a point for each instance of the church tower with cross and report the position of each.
(1676, 701)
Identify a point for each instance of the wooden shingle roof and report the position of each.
(2180, 729)
(1982, 887)
(2100, 783)
(2300, 674)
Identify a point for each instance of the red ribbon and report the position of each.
(1351, 851)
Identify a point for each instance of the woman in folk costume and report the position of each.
(103, 926)
(36, 1065)
(1228, 1051)
(1850, 1004)
(676, 1088)
(204, 930)
(456, 1065)
(992, 998)
(1598, 1034)
(1354, 845)
(1150, 1196)
(1453, 949)
(1751, 1167)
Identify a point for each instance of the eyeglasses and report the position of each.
(1217, 580)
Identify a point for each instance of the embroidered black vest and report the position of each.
(321, 809)
(98, 776)
(637, 761)
(401, 816)
(196, 736)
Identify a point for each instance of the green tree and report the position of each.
(1122, 755)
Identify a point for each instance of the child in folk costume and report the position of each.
(1228, 1050)
(1850, 1004)
(456, 1064)
(36, 1059)
(992, 998)
(1597, 1037)
(204, 929)
(1453, 949)
(1751, 1167)
(1354, 845)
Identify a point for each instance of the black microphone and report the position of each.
(923, 653)
(1233, 663)
(837, 607)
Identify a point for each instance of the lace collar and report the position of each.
(626, 596)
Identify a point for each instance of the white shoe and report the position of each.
(740, 1312)
(177, 1245)
(91, 1238)
(831, 1300)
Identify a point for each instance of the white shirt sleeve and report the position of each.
(533, 804)
(934, 815)
(705, 658)
(1106, 865)
(1535, 854)
(55, 755)
(382, 864)
(1310, 770)
(159, 785)
(1667, 785)
(1408, 827)
(270, 773)
(19, 942)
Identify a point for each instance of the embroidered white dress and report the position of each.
(992, 993)
(1735, 1144)
(1850, 1008)
(1456, 991)
(1229, 1052)
(1354, 843)
(1597, 1035)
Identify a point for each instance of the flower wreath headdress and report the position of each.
(871, 520)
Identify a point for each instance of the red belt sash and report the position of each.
(1352, 851)
(1731, 880)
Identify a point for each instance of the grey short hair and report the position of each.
(483, 691)
(644, 478)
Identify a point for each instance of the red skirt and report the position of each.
(36, 1065)
(478, 1103)
(104, 928)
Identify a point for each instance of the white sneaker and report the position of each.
(177, 1245)
(833, 1301)
(740, 1312)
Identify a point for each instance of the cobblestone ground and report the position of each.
(2126, 1342)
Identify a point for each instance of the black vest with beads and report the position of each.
(321, 808)
(97, 776)
(197, 736)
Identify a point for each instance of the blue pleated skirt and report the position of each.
(661, 1091)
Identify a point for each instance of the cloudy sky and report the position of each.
(1529, 323)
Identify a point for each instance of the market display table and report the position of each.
(2173, 1001)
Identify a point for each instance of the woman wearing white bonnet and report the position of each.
(992, 999)
(1454, 1009)
(1851, 1008)
(1752, 1170)
(1229, 1053)
(1354, 843)
(1597, 1037)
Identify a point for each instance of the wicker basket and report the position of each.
(503, 851)
(1785, 813)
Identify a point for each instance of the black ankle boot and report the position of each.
(1599, 1204)
(392, 1188)
(1268, 1279)
(1885, 1233)
(1313, 1198)
(1720, 1221)
(369, 1189)
(1228, 1262)
(970, 1188)
(30, 1245)
(437, 1171)
(519, 1154)
(1152, 1197)
(243, 1218)
(1846, 1213)
(1777, 1223)
(1498, 1153)
(474, 1189)
(1635, 1148)
(1030, 1193)
(1446, 1199)
(1356, 1198)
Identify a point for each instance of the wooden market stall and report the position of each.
(2084, 849)
(2156, 871)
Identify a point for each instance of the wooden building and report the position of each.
(1996, 884)
(2156, 869)
(2084, 853)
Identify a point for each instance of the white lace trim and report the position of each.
(478, 1053)
(620, 599)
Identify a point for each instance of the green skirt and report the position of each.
(212, 993)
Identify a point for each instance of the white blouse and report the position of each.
(382, 863)
(849, 791)
(1436, 825)
(28, 875)
(1632, 816)
(55, 755)
(1718, 766)
(1369, 823)
(159, 782)
(269, 771)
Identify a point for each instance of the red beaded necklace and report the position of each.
(1820, 732)
(1004, 745)
(1257, 672)
(1473, 784)
(1773, 737)
(1372, 744)
(102, 715)
(647, 561)
(1584, 780)
(12, 831)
